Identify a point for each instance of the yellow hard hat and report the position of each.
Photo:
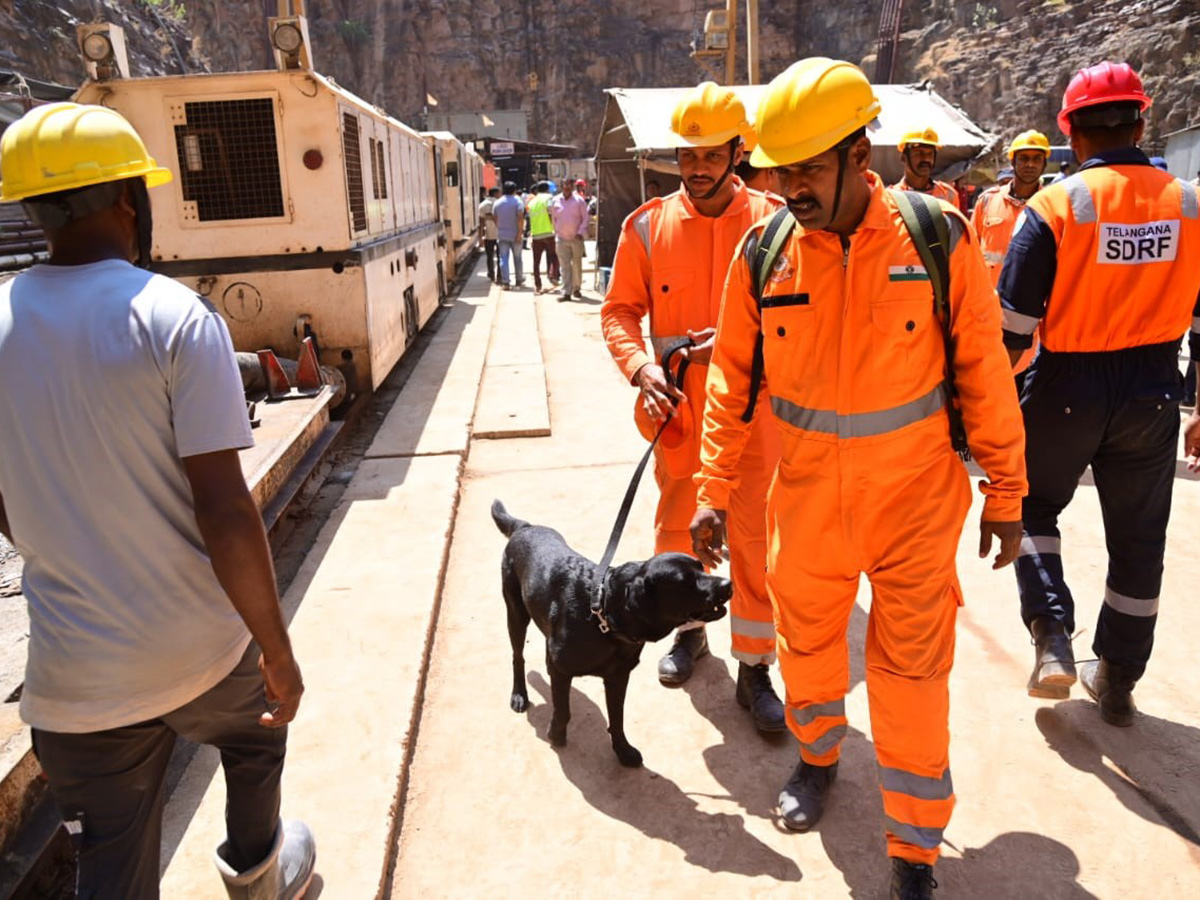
(1029, 140)
(707, 116)
(808, 108)
(928, 137)
(62, 146)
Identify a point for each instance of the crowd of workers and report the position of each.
(850, 345)
(557, 225)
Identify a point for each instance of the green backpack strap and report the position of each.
(930, 233)
(761, 254)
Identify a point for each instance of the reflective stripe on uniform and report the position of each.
(919, 786)
(1019, 323)
(1190, 203)
(806, 715)
(750, 628)
(856, 425)
(826, 742)
(929, 838)
(1082, 206)
(1131, 606)
(641, 225)
(993, 257)
(1038, 544)
(661, 342)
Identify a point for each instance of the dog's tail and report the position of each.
(506, 523)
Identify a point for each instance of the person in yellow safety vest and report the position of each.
(918, 153)
(670, 265)
(854, 360)
(996, 212)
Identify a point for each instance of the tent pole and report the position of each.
(642, 174)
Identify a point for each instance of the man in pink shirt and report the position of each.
(570, 213)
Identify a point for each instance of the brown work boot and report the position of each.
(1111, 687)
(1054, 661)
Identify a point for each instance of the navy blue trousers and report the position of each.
(1117, 412)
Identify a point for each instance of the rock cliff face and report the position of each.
(1006, 63)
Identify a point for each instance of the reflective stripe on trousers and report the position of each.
(819, 739)
(867, 424)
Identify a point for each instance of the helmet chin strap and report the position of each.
(145, 222)
(712, 192)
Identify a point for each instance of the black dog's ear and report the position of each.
(635, 590)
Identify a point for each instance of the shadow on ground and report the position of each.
(649, 802)
(1153, 768)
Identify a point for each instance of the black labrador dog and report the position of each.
(546, 581)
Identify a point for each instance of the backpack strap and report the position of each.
(930, 234)
(761, 254)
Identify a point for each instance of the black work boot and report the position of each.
(912, 881)
(1111, 686)
(676, 667)
(1053, 659)
(802, 799)
(755, 693)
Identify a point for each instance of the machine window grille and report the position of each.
(351, 149)
(378, 171)
(229, 159)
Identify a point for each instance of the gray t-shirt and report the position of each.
(108, 377)
(509, 212)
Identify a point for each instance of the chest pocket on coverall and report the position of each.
(789, 329)
(902, 326)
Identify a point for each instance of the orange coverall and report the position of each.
(939, 189)
(868, 482)
(993, 218)
(670, 264)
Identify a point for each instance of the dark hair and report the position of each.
(510, 187)
(1108, 124)
(492, 192)
(745, 171)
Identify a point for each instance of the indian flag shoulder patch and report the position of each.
(907, 273)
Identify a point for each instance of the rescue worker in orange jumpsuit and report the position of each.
(918, 153)
(1105, 266)
(868, 480)
(996, 212)
(670, 265)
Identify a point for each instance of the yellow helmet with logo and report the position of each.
(707, 116)
(63, 146)
(1029, 140)
(926, 137)
(808, 108)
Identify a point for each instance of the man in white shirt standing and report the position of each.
(487, 222)
(152, 599)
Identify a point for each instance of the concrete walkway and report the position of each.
(420, 782)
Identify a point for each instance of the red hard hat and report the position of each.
(1104, 82)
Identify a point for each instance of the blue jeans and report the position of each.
(510, 248)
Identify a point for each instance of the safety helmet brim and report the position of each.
(679, 141)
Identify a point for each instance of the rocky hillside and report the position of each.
(1006, 63)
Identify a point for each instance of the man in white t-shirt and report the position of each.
(152, 598)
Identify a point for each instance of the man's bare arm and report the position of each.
(233, 533)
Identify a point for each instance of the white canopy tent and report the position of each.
(635, 134)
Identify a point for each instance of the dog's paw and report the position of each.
(558, 736)
(628, 756)
(519, 702)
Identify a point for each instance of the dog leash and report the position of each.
(675, 378)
